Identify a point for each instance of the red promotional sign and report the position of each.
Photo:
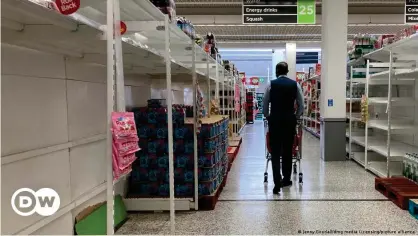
(255, 81)
(123, 28)
(67, 7)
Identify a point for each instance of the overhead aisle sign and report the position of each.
(278, 12)
(411, 12)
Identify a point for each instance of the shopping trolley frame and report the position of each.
(296, 153)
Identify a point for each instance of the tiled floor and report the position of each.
(332, 180)
(334, 196)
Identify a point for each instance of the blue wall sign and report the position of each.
(330, 102)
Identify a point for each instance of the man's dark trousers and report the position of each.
(282, 133)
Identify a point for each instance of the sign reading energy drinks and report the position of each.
(279, 12)
(411, 12)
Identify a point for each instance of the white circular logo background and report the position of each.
(45, 201)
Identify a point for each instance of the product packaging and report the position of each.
(166, 7)
(125, 142)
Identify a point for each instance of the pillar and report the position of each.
(277, 56)
(333, 79)
(291, 59)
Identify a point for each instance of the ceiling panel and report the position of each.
(287, 32)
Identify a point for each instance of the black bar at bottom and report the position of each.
(269, 19)
(411, 18)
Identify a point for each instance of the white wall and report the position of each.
(53, 126)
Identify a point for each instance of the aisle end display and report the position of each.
(311, 88)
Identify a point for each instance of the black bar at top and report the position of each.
(270, 10)
(409, 2)
(269, 2)
(270, 19)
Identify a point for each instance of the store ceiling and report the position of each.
(233, 7)
(237, 33)
(225, 33)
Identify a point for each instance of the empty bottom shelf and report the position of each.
(379, 168)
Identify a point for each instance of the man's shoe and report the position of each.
(287, 183)
(276, 190)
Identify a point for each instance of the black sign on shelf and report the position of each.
(411, 11)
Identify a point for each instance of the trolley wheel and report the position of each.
(300, 178)
(295, 169)
(265, 177)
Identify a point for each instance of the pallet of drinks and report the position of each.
(212, 146)
(150, 175)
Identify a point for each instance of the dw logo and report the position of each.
(26, 202)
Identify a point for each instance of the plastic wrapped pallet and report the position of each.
(150, 172)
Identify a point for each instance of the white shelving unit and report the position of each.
(312, 125)
(56, 107)
(227, 95)
(243, 114)
(391, 91)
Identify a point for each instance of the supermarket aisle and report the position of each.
(335, 196)
(332, 180)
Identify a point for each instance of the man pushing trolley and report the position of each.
(281, 96)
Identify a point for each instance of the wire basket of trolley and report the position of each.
(296, 154)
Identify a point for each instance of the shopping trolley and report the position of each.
(296, 154)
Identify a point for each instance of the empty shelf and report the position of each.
(380, 168)
(397, 101)
(397, 127)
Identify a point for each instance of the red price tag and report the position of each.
(67, 7)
